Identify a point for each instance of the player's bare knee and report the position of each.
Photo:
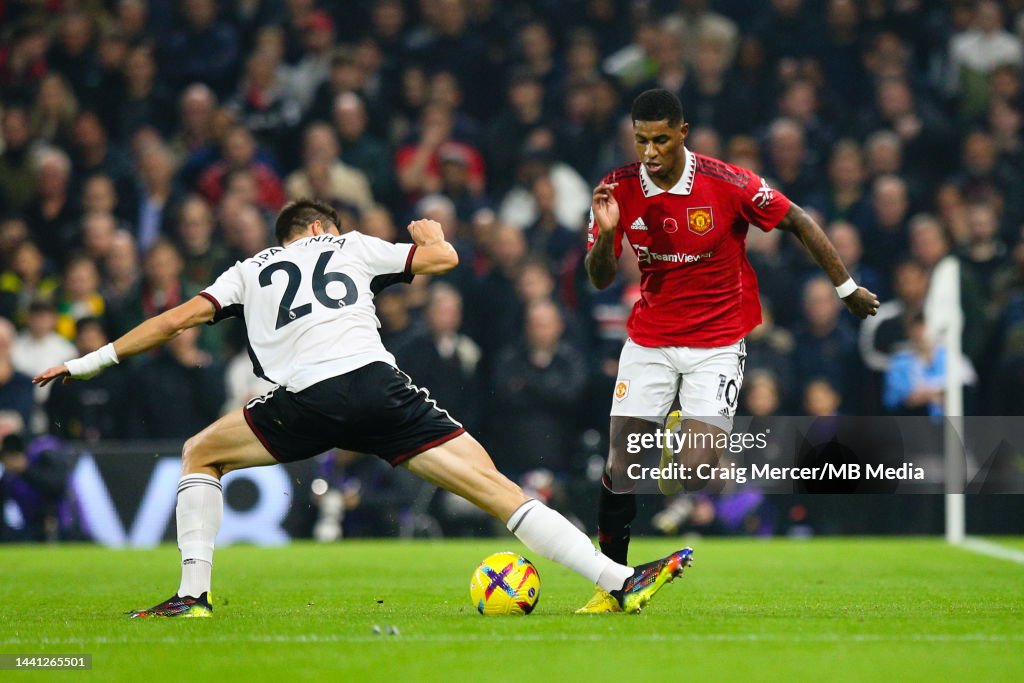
(196, 458)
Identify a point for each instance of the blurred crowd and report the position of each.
(146, 146)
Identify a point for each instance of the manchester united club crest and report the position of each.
(700, 219)
(621, 389)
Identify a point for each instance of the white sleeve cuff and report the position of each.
(90, 364)
(846, 289)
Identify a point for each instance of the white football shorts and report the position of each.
(707, 382)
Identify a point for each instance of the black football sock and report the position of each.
(615, 513)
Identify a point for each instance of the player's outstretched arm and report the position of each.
(434, 254)
(601, 263)
(148, 335)
(859, 300)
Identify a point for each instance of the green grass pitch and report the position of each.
(857, 610)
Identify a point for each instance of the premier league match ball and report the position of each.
(505, 583)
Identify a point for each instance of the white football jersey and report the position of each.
(308, 307)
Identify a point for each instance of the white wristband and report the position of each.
(846, 289)
(90, 364)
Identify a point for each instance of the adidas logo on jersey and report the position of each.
(638, 224)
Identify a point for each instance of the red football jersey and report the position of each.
(697, 286)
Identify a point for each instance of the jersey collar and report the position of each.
(683, 187)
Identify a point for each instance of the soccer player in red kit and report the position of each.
(686, 217)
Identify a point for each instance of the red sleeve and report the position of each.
(760, 204)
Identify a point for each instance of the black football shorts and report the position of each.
(374, 409)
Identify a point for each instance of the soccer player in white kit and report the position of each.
(312, 330)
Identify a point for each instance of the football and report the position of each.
(505, 583)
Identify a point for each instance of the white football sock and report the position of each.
(552, 536)
(199, 513)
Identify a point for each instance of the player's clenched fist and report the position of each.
(425, 232)
(605, 207)
(862, 303)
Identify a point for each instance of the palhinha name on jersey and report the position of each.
(260, 259)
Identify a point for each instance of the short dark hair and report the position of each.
(658, 105)
(296, 216)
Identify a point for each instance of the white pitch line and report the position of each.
(983, 547)
(526, 637)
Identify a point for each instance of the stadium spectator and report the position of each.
(26, 279)
(239, 152)
(132, 20)
(361, 149)
(162, 285)
(193, 143)
(915, 382)
(984, 177)
(146, 101)
(241, 384)
(821, 399)
(314, 65)
(79, 296)
(450, 44)
(546, 236)
(571, 196)
(246, 232)
(886, 234)
(93, 153)
(976, 52)
(847, 199)
(443, 358)
(266, 107)
(417, 164)
(34, 479)
(52, 217)
(506, 135)
(201, 49)
(107, 92)
(789, 164)
(364, 496)
(924, 134)
(770, 349)
(203, 256)
(495, 294)
(92, 411)
(39, 347)
(343, 184)
(100, 196)
(13, 231)
(715, 100)
(53, 111)
(397, 325)
(454, 166)
(121, 284)
(73, 52)
(17, 179)
(16, 390)
(23, 60)
(776, 276)
(182, 375)
(158, 197)
(760, 394)
(824, 347)
(537, 387)
(846, 239)
(985, 253)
